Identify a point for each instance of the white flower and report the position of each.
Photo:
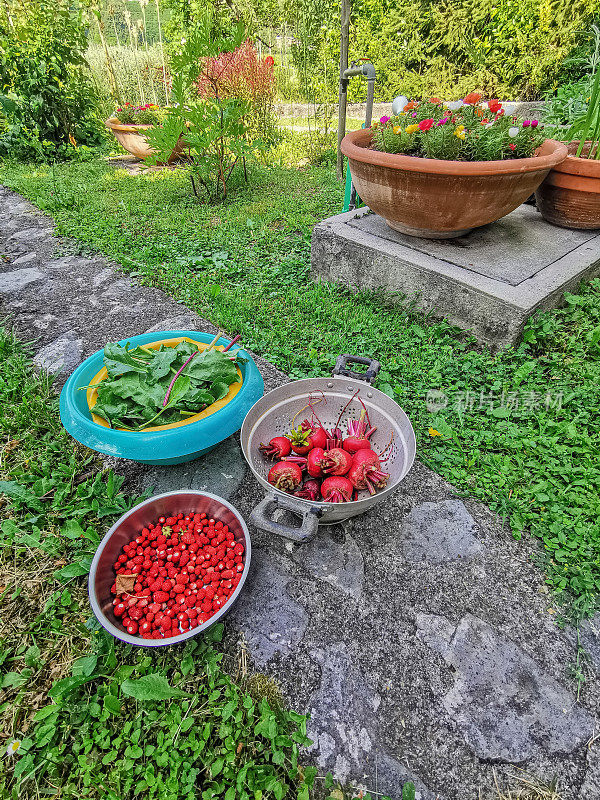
(398, 104)
(183, 40)
(512, 132)
(454, 105)
(13, 747)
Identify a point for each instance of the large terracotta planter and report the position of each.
(570, 195)
(132, 138)
(439, 199)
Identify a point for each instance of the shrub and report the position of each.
(507, 48)
(245, 76)
(217, 136)
(50, 105)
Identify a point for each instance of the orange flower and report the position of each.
(472, 99)
(410, 106)
(434, 100)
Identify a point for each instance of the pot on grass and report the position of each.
(570, 194)
(438, 199)
(132, 138)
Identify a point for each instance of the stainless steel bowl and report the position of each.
(272, 416)
(102, 575)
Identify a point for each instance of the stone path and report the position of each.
(420, 636)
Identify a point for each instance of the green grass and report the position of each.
(97, 718)
(245, 266)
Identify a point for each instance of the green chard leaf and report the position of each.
(119, 361)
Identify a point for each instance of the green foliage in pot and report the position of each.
(569, 101)
(463, 130)
(216, 135)
(148, 114)
(48, 105)
(586, 127)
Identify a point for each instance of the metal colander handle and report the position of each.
(262, 517)
(341, 367)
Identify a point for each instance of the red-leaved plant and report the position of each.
(244, 75)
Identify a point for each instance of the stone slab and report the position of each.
(440, 532)
(505, 704)
(489, 281)
(492, 250)
(18, 279)
(61, 355)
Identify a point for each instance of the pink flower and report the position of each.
(414, 114)
(383, 120)
(534, 123)
(526, 123)
(442, 121)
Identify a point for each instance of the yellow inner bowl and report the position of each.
(92, 394)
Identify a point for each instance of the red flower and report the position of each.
(270, 61)
(494, 106)
(426, 124)
(472, 99)
(512, 146)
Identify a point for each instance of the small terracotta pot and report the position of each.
(132, 138)
(438, 199)
(570, 195)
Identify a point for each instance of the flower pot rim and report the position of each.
(576, 165)
(355, 145)
(116, 125)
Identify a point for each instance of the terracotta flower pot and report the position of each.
(570, 195)
(439, 199)
(132, 138)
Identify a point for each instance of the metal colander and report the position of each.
(272, 415)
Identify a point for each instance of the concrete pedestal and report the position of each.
(489, 281)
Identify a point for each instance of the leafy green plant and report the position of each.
(214, 128)
(42, 69)
(157, 387)
(586, 128)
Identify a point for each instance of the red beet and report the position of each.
(311, 490)
(318, 434)
(285, 475)
(278, 447)
(358, 435)
(366, 472)
(336, 461)
(336, 490)
(313, 465)
(301, 441)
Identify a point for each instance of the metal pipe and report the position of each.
(345, 9)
